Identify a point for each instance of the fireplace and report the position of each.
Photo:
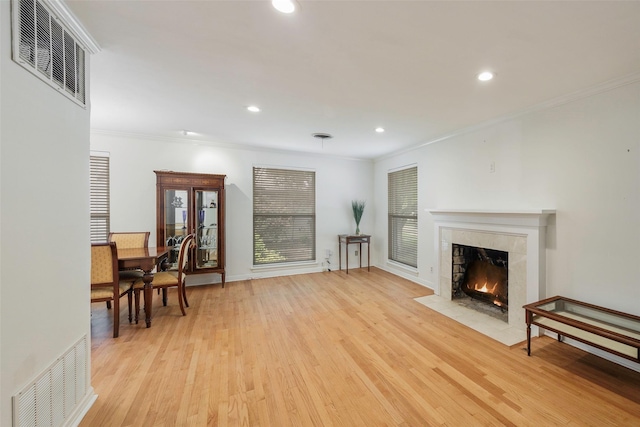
(481, 274)
(518, 239)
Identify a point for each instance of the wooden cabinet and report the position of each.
(192, 203)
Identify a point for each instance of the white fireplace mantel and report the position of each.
(519, 232)
(531, 218)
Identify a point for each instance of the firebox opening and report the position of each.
(480, 279)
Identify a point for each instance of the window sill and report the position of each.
(284, 266)
(404, 267)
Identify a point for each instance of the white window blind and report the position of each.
(99, 198)
(284, 216)
(403, 216)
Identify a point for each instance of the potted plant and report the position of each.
(358, 209)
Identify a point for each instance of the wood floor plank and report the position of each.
(331, 349)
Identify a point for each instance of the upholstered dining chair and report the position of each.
(105, 282)
(130, 240)
(168, 279)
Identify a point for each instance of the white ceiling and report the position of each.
(344, 67)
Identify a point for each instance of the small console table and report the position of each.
(609, 330)
(347, 239)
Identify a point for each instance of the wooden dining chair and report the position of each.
(105, 282)
(167, 279)
(129, 240)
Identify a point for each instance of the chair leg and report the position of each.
(184, 313)
(184, 295)
(108, 305)
(116, 316)
(129, 303)
(164, 296)
(136, 294)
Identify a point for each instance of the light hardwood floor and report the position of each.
(331, 349)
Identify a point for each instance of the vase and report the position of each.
(357, 229)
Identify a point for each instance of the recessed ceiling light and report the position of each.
(485, 76)
(253, 109)
(188, 132)
(284, 6)
(379, 129)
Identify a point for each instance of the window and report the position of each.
(99, 197)
(403, 216)
(284, 216)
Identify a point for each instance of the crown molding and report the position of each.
(552, 103)
(63, 12)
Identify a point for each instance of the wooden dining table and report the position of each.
(145, 259)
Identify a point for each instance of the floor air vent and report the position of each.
(51, 398)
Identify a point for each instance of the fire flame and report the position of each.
(488, 289)
(485, 289)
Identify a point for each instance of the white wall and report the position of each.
(133, 193)
(581, 158)
(44, 224)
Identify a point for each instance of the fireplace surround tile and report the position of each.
(497, 241)
(486, 325)
(521, 234)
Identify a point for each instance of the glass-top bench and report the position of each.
(603, 328)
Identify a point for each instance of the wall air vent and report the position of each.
(44, 44)
(55, 396)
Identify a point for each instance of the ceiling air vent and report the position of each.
(44, 45)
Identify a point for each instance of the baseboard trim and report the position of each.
(81, 409)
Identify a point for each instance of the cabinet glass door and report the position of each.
(176, 221)
(207, 229)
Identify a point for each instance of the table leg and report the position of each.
(360, 249)
(148, 296)
(163, 265)
(368, 256)
(346, 255)
(528, 317)
(339, 255)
